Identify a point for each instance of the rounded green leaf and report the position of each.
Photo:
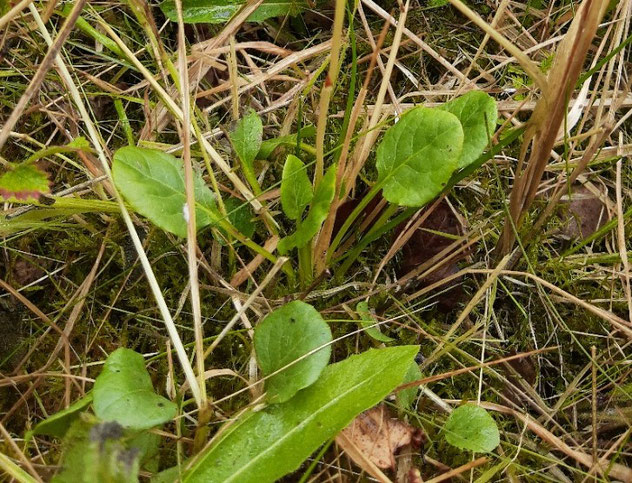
(472, 428)
(123, 392)
(296, 188)
(152, 182)
(285, 336)
(478, 114)
(418, 155)
(265, 445)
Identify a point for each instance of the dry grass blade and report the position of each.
(548, 115)
(45, 65)
(189, 209)
(606, 468)
(96, 141)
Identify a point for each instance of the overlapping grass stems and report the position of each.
(315, 351)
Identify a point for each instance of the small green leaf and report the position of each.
(265, 445)
(418, 155)
(153, 183)
(246, 138)
(23, 182)
(406, 397)
(472, 428)
(57, 424)
(296, 189)
(367, 321)
(478, 114)
(123, 392)
(318, 211)
(284, 336)
(268, 146)
(220, 11)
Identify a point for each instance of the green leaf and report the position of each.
(417, 156)
(318, 211)
(406, 397)
(268, 146)
(123, 392)
(23, 182)
(97, 453)
(472, 428)
(284, 336)
(296, 189)
(241, 217)
(152, 182)
(246, 138)
(367, 321)
(220, 11)
(57, 424)
(265, 445)
(478, 114)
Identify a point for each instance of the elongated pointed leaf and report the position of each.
(152, 182)
(246, 138)
(273, 442)
(123, 392)
(284, 336)
(418, 155)
(309, 227)
(296, 189)
(220, 11)
(478, 114)
(58, 423)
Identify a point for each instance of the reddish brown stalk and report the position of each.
(548, 115)
(323, 240)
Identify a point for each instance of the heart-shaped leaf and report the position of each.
(471, 427)
(285, 336)
(308, 228)
(152, 182)
(418, 155)
(123, 392)
(296, 189)
(220, 11)
(478, 114)
(265, 445)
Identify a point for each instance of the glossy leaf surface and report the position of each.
(285, 336)
(418, 155)
(268, 444)
(123, 392)
(152, 182)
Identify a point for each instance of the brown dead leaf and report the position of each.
(426, 243)
(581, 214)
(374, 438)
